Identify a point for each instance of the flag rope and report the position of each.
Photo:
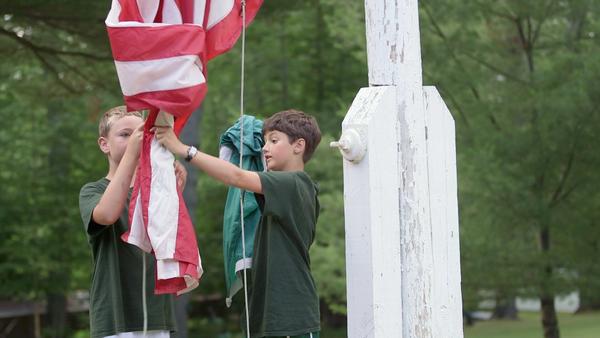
(242, 192)
(144, 302)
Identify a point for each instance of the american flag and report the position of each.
(161, 48)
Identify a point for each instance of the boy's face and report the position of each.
(115, 143)
(279, 153)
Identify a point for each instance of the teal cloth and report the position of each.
(232, 230)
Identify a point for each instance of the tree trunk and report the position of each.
(58, 160)
(181, 315)
(57, 314)
(549, 319)
(527, 34)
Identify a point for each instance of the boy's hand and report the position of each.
(180, 175)
(135, 140)
(166, 137)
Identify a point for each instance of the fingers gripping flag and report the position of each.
(161, 48)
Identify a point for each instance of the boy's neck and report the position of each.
(112, 169)
(295, 167)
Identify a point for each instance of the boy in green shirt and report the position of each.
(116, 302)
(283, 299)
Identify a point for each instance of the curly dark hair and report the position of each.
(296, 125)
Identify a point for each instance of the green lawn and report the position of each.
(585, 325)
(529, 325)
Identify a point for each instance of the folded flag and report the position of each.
(234, 258)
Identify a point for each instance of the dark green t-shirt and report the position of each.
(283, 295)
(116, 292)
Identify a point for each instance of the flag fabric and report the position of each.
(159, 219)
(161, 48)
(229, 150)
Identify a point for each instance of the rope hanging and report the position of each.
(144, 302)
(245, 278)
(242, 192)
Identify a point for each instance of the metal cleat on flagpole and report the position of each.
(352, 145)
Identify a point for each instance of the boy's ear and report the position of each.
(299, 146)
(103, 144)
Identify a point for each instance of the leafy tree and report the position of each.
(519, 75)
(520, 78)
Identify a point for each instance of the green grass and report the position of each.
(586, 325)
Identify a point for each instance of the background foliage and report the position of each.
(521, 79)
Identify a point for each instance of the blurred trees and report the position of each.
(520, 78)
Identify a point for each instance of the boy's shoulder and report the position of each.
(283, 186)
(95, 186)
(287, 174)
(286, 179)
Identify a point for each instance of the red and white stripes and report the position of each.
(159, 220)
(161, 48)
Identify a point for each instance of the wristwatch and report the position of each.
(191, 152)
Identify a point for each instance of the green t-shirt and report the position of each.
(116, 292)
(283, 295)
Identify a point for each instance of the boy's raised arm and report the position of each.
(213, 166)
(113, 200)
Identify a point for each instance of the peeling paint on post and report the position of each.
(370, 206)
(403, 274)
(401, 22)
(441, 150)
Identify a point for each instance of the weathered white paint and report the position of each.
(373, 262)
(441, 150)
(395, 287)
(393, 43)
(394, 56)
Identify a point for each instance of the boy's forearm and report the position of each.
(213, 166)
(216, 167)
(223, 171)
(113, 200)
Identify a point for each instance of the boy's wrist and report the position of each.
(183, 151)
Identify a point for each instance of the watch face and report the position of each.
(191, 153)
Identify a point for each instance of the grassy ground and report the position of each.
(529, 325)
(585, 325)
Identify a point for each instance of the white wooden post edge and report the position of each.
(441, 160)
(402, 253)
(372, 246)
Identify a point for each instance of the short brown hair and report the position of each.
(112, 115)
(296, 125)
